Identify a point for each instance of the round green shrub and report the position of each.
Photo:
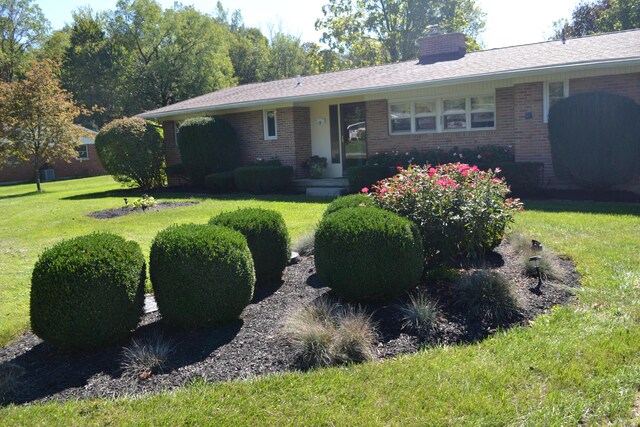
(207, 145)
(202, 275)
(267, 236)
(132, 151)
(88, 291)
(350, 201)
(368, 253)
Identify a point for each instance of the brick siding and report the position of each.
(292, 147)
(519, 122)
(379, 140)
(23, 172)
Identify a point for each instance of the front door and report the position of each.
(353, 127)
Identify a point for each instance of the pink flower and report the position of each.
(474, 168)
(496, 180)
(498, 170)
(383, 190)
(399, 168)
(431, 172)
(365, 190)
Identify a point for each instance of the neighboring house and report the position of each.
(446, 98)
(86, 164)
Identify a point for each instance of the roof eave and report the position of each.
(476, 78)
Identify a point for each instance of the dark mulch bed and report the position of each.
(253, 346)
(116, 212)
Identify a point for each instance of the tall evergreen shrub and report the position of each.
(207, 145)
(595, 139)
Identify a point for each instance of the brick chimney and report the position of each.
(441, 47)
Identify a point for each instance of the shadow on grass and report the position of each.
(15, 196)
(587, 207)
(172, 193)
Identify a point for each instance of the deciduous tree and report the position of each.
(599, 16)
(37, 118)
(23, 28)
(381, 31)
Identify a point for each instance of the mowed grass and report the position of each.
(30, 222)
(575, 365)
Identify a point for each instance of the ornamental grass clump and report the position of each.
(419, 314)
(459, 209)
(326, 333)
(486, 295)
(146, 356)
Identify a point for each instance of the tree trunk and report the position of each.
(36, 168)
(38, 180)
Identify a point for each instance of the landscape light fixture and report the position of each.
(536, 263)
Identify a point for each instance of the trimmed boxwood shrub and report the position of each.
(350, 201)
(131, 150)
(88, 291)
(202, 275)
(368, 253)
(221, 182)
(262, 179)
(207, 145)
(595, 139)
(267, 236)
(366, 176)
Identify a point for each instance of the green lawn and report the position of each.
(31, 222)
(575, 365)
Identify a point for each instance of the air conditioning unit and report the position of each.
(47, 175)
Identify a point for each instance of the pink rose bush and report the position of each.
(459, 209)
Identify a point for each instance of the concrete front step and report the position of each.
(326, 191)
(323, 182)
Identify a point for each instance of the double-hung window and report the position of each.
(400, 116)
(554, 91)
(83, 152)
(270, 124)
(444, 114)
(426, 116)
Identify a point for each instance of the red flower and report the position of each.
(399, 168)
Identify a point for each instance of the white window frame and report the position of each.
(440, 114)
(86, 147)
(546, 100)
(265, 124)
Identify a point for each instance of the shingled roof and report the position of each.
(621, 48)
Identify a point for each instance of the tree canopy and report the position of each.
(37, 118)
(380, 31)
(23, 28)
(599, 16)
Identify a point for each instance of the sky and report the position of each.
(509, 22)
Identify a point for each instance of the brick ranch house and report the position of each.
(446, 98)
(86, 164)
